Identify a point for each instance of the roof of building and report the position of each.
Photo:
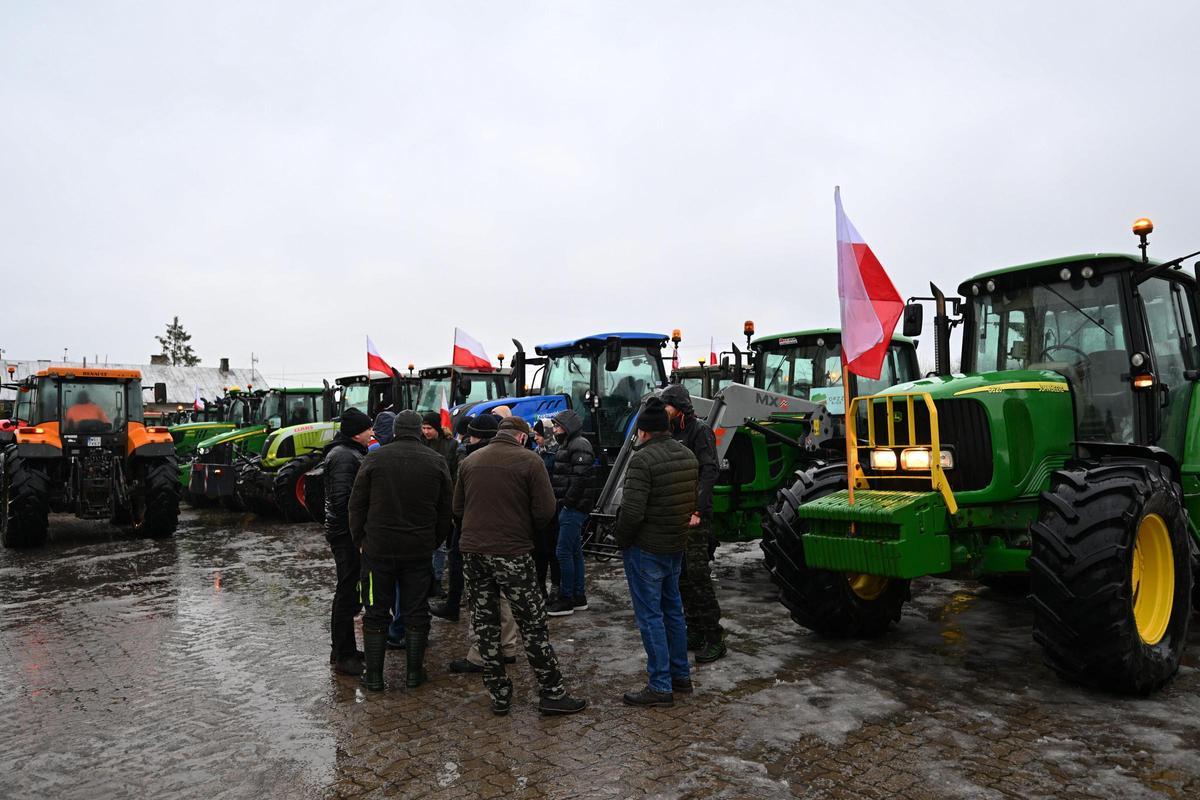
(181, 382)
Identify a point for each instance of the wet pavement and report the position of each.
(197, 667)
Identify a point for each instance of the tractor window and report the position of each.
(1077, 330)
(301, 409)
(356, 395)
(432, 392)
(796, 370)
(1173, 338)
(92, 407)
(895, 370)
(136, 412)
(569, 374)
(695, 386)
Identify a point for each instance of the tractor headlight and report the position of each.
(883, 459)
(201, 451)
(917, 459)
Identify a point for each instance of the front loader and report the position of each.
(1066, 449)
(84, 449)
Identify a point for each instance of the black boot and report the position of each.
(374, 647)
(415, 648)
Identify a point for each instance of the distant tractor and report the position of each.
(1066, 449)
(233, 410)
(83, 448)
(460, 388)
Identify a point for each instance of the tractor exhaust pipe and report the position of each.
(941, 332)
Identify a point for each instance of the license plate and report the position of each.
(93, 441)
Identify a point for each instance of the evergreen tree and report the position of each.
(175, 345)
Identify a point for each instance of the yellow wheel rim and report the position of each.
(867, 587)
(1153, 579)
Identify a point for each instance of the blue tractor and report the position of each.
(602, 377)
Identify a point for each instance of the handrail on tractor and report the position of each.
(936, 475)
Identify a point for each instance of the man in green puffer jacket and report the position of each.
(658, 498)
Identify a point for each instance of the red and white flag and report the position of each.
(197, 404)
(675, 358)
(871, 306)
(375, 362)
(444, 409)
(712, 352)
(469, 353)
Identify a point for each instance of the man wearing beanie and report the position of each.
(342, 459)
(503, 497)
(700, 606)
(399, 512)
(658, 498)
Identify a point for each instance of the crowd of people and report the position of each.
(498, 507)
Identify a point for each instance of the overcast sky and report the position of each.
(290, 177)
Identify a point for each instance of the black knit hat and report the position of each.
(433, 419)
(408, 423)
(354, 422)
(653, 418)
(539, 427)
(677, 395)
(484, 426)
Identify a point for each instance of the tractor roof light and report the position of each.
(676, 336)
(975, 290)
(991, 286)
(1143, 381)
(1087, 273)
(1143, 226)
(1065, 273)
(1137, 359)
(748, 327)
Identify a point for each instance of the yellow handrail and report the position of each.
(937, 475)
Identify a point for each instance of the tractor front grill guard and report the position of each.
(886, 440)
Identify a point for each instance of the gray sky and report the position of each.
(290, 177)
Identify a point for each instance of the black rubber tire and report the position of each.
(154, 512)
(314, 497)
(1081, 574)
(821, 600)
(284, 486)
(24, 503)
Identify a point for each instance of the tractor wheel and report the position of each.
(24, 503)
(314, 497)
(289, 487)
(834, 604)
(1110, 575)
(154, 508)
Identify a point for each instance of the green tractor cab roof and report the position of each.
(1048, 271)
(299, 390)
(775, 337)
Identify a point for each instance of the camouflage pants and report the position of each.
(487, 578)
(700, 606)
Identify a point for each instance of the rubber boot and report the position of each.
(374, 647)
(415, 668)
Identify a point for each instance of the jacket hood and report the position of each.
(383, 427)
(570, 422)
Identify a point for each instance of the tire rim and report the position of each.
(300, 492)
(1153, 579)
(866, 586)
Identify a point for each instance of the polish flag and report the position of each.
(469, 353)
(197, 404)
(675, 358)
(444, 408)
(871, 306)
(712, 352)
(375, 362)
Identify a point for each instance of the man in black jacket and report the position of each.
(342, 459)
(700, 605)
(573, 479)
(399, 512)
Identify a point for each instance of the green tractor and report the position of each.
(1065, 451)
(461, 388)
(285, 477)
(214, 469)
(789, 422)
(233, 410)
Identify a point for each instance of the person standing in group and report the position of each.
(544, 557)
(658, 498)
(478, 431)
(382, 428)
(399, 512)
(503, 497)
(573, 479)
(700, 606)
(343, 456)
(440, 440)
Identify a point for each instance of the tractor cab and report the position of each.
(704, 379)
(372, 395)
(459, 386)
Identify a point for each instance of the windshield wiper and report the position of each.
(1081, 311)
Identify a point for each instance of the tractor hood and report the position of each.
(1008, 431)
(531, 408)
(230, 436)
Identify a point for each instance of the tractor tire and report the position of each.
(314, 497)
(155, 513)
(834, 604)
(24, 503)
(289, 487)
(1110, 575)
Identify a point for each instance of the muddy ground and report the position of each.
(197, 667)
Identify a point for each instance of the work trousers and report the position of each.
(700, 605)
(346, 604)
(378, 587)
(488, 578)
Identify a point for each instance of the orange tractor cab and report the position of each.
(83, 448)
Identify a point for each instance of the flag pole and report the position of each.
(851, 447)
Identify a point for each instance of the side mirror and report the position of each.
(464, 389)
(914, 319)
(160, 393)
(612, 354)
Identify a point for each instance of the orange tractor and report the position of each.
(82, 447)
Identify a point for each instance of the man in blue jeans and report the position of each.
(573, 479)
(659, 496)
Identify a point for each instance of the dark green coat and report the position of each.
(658, 497)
